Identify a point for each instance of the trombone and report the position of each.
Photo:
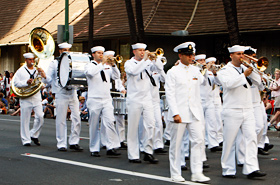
(261, 66)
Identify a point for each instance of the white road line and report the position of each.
(83, 137)
(115, 170)
(10, 120)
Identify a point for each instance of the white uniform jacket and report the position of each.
(138, 89)
(96, 87)
(20, 80)
(52, 79)
(235, 95)
(182, 88)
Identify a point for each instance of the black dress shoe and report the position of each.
(76, 147)
(36, 141)
(216, 148)
(113, 152)
(95, 154)
(150, 158)
(205, 165)
(256, 173)
(221, 144)
(27, 144)
(103, 147)
(134, 160)
(229, 176)
(167, 142)
(267, 147)
(184, 168)
(160, 151)
(123, 145)
(262, 152)
(62, 149)
(187, 158)
(240, 165)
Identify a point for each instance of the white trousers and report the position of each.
(135, 109)
(240, 147)
(264, 138)
(218, 113)
(120, 127)
(211, 124)
(234, 119)
(62, 103)
(98, 106)
(167, 130)
(185, 149)
(196, 138)
(158, 131)
(26, 108)
(258, 113)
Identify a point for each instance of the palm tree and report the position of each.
(232, 22)
(139, 18)
(90, 25)
(131, 22)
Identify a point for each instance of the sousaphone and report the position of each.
(42, 45)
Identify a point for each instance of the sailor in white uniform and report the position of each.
(98, 73)
(238, 114)
(139, 101)
(65, 97)
(182, 87)
(23, 78)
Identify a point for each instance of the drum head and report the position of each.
(64, 70)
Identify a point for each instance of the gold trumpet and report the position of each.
(158, 53)
(200, 66)
(113, 60)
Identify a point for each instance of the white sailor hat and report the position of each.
(201, 56)
(249, 50)
(64, 45)
(186, 47)
(109, 53)
(210, 59)
(139, 45)
(97, 48)
(236, 48)
(28, 55)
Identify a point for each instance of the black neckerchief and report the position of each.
(150, 76)
(31, 75)
(248, 79)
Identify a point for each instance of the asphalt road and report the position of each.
(45, 165)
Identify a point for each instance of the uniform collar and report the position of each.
(183, 65)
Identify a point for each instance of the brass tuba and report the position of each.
(42, 45)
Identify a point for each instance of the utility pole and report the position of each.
(66, 31)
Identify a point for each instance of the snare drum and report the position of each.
(71, 69)
(164, 103)
(119, 104)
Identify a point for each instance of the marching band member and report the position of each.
(158, 146)
(139, 102)
(23, 78)
(98, 75)
(238, 114)
(120, 122)
(209, 109)
(257, 104)
(65, 97)
(182, 87)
